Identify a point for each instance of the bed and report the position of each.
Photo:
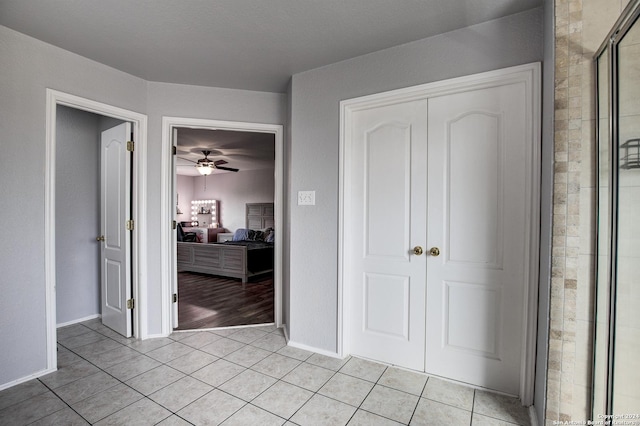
(237, 259)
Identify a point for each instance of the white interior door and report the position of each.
(387, 182)
(115, 207)
(477, 218)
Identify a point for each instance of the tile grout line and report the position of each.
(420, 396)
(473, 407)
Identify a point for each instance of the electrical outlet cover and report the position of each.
(306, 198)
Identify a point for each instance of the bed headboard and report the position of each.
(260, 215)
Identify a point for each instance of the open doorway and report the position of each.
(78, 213)
(224, 193)
(58, 199)
(236, 202)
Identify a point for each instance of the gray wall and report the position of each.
(178, 100)
(316, 94)
(546, 211)
(27, 68)
(77, 214)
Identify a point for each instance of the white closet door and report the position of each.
(387, 220)
(477, 218)
(115, 207)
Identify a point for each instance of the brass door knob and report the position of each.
(417, 250)
(100, 238)
(434, 251)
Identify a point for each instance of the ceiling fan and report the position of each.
(205, 166)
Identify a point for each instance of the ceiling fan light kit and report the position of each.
(204, 169)
(205, 166)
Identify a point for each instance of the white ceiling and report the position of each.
(242, 44)
(241, 150)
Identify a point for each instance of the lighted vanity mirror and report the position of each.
(204, 213)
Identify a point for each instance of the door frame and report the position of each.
(138, 206)
(168, 235)
(528, 75)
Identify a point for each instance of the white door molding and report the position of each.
(168, 236)
(139, 210)
(529, 75)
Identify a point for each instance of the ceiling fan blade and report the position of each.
(219, 162)
(186, 159)
(227, 168)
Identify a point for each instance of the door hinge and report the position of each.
(130, 146)
(130, 225)
(174, 150)
(175, 297)
(174, 224)
(131, 304)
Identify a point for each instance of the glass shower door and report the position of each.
(603, 260)
(626, 312)
(616, 370)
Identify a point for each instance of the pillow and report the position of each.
(271, 237)
(241, 234)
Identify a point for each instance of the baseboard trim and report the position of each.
(90, 317)
(160, 335)
(26, 378)
(312, 349)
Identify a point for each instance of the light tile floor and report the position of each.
(245, 376)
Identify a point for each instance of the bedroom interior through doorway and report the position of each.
(219, 173)
(171, 128)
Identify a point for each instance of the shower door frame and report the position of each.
(609, 47)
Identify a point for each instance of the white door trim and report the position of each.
(529, 75)
(139, 209)
(167, 235)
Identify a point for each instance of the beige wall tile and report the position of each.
(598, 19)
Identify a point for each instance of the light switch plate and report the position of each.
(306, 198)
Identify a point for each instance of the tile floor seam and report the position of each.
(87, 396)
(369, 393)
(270, 412)
(110, 414)
(473, 406)
(424, 387)
(225, 392)
(314, 393)
(103, 390)
(446, 403)
(63, 401)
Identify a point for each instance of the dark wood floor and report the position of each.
(207, 301)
